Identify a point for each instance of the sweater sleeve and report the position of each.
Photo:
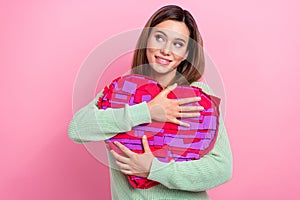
(213, 169)
(93, 124)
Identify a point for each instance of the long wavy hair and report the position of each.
(190, 69)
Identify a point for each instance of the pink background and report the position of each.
(43, 44)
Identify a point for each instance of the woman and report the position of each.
(169, 50)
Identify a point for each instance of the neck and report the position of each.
(163, 79)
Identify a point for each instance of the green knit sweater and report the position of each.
(178, 180)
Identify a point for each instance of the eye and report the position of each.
(178, 44)
(159, 38)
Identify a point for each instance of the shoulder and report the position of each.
(203, 86)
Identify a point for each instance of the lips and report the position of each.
(162, 61)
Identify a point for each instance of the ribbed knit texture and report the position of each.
(179, 180)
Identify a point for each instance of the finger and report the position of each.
(188, 115)
(126, 172)
(169, 89)
(180, 123)
(122, 165)
(191, 108)
(188, 100)
(145, 144)
(118, 157)
(124, 149)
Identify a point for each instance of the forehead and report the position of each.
(173, 28)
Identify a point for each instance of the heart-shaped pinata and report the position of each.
(167, 141)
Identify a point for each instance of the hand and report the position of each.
(134, 164)
(163, 109)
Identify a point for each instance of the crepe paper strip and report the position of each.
(167, 141)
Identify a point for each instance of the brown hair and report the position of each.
(190, 69)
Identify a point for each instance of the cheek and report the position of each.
(150, 54)
(180, 54)
(178, 58)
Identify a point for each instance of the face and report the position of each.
(167, 47)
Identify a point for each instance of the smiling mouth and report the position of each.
(162, 61)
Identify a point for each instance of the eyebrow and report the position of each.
(175, 38)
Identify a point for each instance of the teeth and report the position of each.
(163, 60)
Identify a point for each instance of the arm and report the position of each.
(210, 171)
(93, 124)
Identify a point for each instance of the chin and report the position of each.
(161, 69)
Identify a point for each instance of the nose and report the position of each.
(166, 49)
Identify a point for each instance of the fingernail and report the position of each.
(199, 98)
(144, 136)
(200, 107)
